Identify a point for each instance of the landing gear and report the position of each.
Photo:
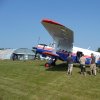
(47, 65)
(51, 62)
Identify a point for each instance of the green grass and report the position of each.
(31, 81)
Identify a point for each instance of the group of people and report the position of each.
(82, 61)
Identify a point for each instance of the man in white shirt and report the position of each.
(82, 61)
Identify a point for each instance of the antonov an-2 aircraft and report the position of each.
(63, 44)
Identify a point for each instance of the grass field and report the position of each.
(29, 80)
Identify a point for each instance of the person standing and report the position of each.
(82, 61)
(70, 64)
(93, 65)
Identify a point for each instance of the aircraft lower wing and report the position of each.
(50, 54)
(62, 35)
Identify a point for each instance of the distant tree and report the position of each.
(1, 48)
(98, 50)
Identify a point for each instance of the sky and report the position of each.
(20, 22)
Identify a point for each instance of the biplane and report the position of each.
(63, 38)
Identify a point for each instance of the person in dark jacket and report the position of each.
(70, 64)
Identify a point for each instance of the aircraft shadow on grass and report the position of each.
(60, 67)
(63, 67)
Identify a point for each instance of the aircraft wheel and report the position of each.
(47, 65)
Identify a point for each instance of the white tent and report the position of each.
(6, 53)
(19, 54)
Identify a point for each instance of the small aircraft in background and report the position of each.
(63, 45)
